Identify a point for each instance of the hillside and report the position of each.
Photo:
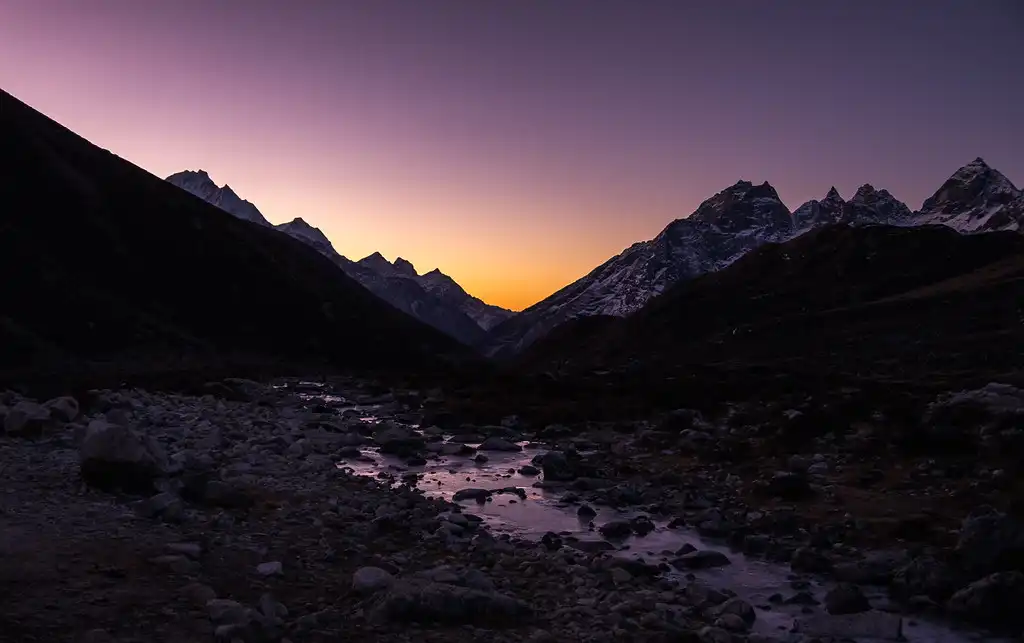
(109, 267)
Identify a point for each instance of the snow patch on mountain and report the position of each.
(976, 198)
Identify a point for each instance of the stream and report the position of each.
(542, 511)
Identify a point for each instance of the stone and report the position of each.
(227, 612)
(166, 506)
(397, 440)
(192, 550)
(586, 512)
(428, 602)
(556, 467)
(994, 600)
(115, 457)
(616, 529)
(702, 559)
(26, 418)
(529, 470)
(620, 575)
(709, 634)
(273, 568)
(62, 409)
(478, 495)
(739, 608)
(199, 594)
(368, 580)
(990, 542)
(498, 444)
(846, 598)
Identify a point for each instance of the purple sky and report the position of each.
(518, 144)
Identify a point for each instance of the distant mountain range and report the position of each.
(976, 198)
(433, 298)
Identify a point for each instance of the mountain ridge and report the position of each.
(453, 311)
(723, 228)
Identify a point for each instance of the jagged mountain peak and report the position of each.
(975, 198)
(833, 195)
(201, 185)
(405, 267)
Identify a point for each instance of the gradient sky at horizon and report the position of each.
(517, 145)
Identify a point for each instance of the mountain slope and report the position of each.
(721, 230)
(881, 302)
(449, 309)
(117, 266)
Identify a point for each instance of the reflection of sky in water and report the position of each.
(752, 579)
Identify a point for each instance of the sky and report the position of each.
(516, 145)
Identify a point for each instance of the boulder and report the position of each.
(993, 600)
(499, 444)
(398, 440)
(990, 542)
(428, 602)
(701, 559)
(369, 580)
(27, 418)
(116, 457)
(846, 598)
(63, 409)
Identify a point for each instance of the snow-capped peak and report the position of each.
(833, 196)
(201, 185)
(975, 198)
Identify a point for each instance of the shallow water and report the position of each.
(752, 579)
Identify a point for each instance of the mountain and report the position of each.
(446, 289)
(200, 184)
(733, 222)
(976, 198)
(116, 271)
(434, 299)
(721, 229)
(893, 304)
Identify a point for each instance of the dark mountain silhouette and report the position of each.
(108, 266)
(881, 303)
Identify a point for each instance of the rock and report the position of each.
(994, 600)
(556, 467)
(273, 568)
(498, 444)
(732, 623)
(62, 409)
(616, 529)
(702, 559)
(480, 458)
(924, 576)
(192, 550)
(27, 418)
(115, 457)
(591, 546)
(398, 440)
(868, 625)
(876, 569)
(990, 542)
(808, 560)
(529, 470)
(586, 512)
(199, 594)
(417, 601)
(368, 580)
(846, 598)
(227, 612)
(176, 563)
(620, 575)
(740, 609)
(479, 495)
(164, 505)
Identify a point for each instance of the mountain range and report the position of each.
(111, 271)
(434, 298)
(976, 198)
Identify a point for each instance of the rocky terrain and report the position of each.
(241, 515)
